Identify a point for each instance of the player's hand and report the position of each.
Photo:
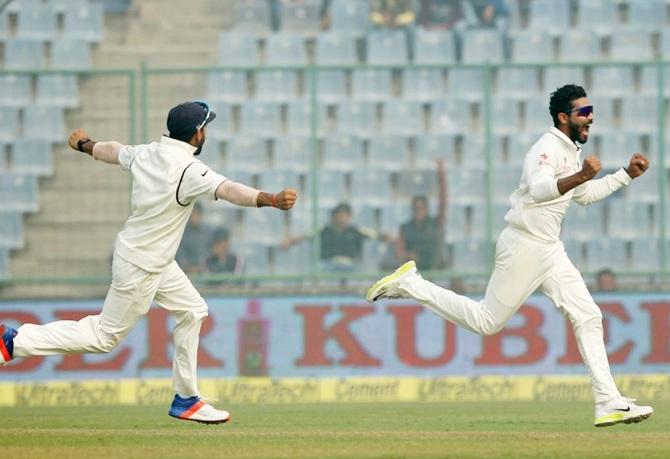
(590, 167)
(638, 165)
(285, 199)
(75, 137)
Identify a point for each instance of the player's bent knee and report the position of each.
(108, 342)
(492, 329)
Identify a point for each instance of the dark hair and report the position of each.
(221, 234)
(605, 272)
(183, 136)
(419, 198)
(561, 100)
(342, 207)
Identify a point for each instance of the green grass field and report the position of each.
(486, 429)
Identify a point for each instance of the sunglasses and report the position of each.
(207, 115)
(584, 111)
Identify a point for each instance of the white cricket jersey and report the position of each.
(167, 179)
(537, 207)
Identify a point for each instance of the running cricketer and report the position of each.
(529, 254)
(167, 180)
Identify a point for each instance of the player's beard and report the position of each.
(575, 132)
(199, 150)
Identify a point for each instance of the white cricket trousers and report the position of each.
(522, 265)
(128, 300)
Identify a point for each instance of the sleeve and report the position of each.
(198, 180)
(595, 190)
(127, 155)
(542, 182)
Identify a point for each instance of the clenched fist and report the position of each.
(75, 137)
(590, 167)
(285, 199)
(638, 165)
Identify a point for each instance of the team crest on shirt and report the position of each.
(544, 159)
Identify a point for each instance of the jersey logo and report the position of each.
(204, 173)
(544, 159)
(544, 156)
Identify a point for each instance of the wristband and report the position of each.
(273, 200)
(81, 143)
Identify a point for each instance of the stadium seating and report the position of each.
(11, 233)
(31, 156)
(597, 15)
(252, 16)
(389, 153)
(387, 47)
(36, 21)
(71, 54)
(343, 153)
(549, 15)
(24, 54)
(434, 47)
(54, 90)
(350, 17)
(19, 192)
(300, 17)
(85, 22)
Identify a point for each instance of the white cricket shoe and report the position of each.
(620, 410)
(387, 287)
(196, 409)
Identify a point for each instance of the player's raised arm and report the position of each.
(243, 195)
(107, 152)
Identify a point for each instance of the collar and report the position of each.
(184, 148)
(558, 133)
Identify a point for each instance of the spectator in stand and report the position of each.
(487, 13)
(606, 281)
(195, 243)
(221, 259)
(442, 15)
(422, 237)
(393, 13)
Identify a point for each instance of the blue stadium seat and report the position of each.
(505, 115)
(555, 77)
(603, 114)
(580, 46)
(54, 90)
(261, 119)
(402, 118)
(350, 17)
(665, 44)
(466, 186)
(612, 81)
(211, 154)
(584, 223)
(519, 145)
(331, 86)
(24, 54)
(456, 229)
(639, 114)
(36, 20)
(276, 86)
(71, 54)
(227, 86)
(335, 49)
(604, 253)
(247, 154)
(631, 45)
(532, 46)
(332, 188)
(434, 47)
(356, 118)
(373, 254)
(15, 90)
(505, 181)
(630, 220)
(300, 17)
(550, 15)
(299, 118)
(116, 6)
(417, 182)
(4, 264)
(424, 85)
(465, 84)
(477, 222)
(11, 231)
(4, 26)
(576, 252)
(645, 254)
(371, 85)
(297, 259)
(252, 16)
(371, 186)
(238, 49)
(644, 190)
(473, 152)
(8, 123)
(387, 47)
(482, 45)
(604, 10)
(518, 83)
(293, 153)
(263, 227)
(301, 222)
(343, 153)
(537, 118)
(19, 192)
(449, 116)
(429, 148)
(646, 14)
(364, 216)
(84, 23)
(222, 128)
(389, 153)
(44, 123)
(255, 258)
(470, 256)
(285, 49)
(392, 217)
(32, 156)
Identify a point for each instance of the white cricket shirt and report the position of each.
(167, 179)
(537, 207)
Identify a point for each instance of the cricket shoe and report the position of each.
(6, 344)
(387, 287)
(619, 410)
(196, 409)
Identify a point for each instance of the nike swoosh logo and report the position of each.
(205, 173)
(621, 409)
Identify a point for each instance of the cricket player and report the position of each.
(167, 181)
(529, 254)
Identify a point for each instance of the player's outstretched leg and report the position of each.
(387, 287)
(620, 409)
(196, 409)
(7, 335)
